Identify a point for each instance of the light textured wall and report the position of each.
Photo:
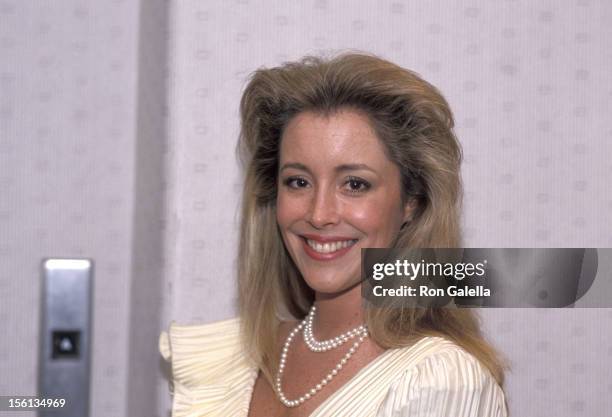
(82, 160)
(148, 225)
(68, 78)
(530, 85)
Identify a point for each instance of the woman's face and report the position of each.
(337, 193)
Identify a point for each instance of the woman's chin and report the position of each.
(331, 287)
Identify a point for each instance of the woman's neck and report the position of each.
(337, 313)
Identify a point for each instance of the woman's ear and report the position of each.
(409, 207)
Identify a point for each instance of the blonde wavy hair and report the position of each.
(415, 123)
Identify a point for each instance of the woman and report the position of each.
(340, 154)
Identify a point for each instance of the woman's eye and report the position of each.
(357, 185)
(296, 182)
(354, 185)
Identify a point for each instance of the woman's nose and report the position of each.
(323, 208)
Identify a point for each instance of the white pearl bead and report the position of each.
(316, 346)
(322, 346)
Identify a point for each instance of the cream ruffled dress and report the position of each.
(433, 378)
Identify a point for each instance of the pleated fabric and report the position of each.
(213, 377)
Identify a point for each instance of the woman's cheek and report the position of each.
(288, 209)
(281, 208)
(361, 212)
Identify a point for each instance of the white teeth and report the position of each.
(330, 247)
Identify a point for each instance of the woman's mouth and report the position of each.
(325, 251)
(330, 247)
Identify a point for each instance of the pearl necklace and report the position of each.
(363, 333)
(325, 345)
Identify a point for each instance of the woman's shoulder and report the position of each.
(438, 375)
(439, 357)
(211, 371)
(208, 335)
(199, 352)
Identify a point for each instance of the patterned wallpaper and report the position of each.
(530, 85)
(84, 171)
(67, 143)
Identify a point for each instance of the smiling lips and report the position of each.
(326, 248)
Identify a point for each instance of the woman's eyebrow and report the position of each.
(353, 167)
(295, 165)
(339, 168)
